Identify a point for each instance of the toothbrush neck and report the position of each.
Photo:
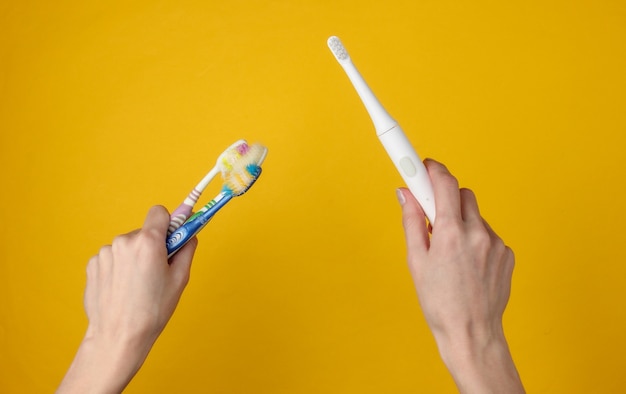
(383, 122)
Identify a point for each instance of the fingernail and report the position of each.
(400, 196)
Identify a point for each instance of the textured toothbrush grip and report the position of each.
(187, 231)
(183, 211)
(176, 221)
(182, 235)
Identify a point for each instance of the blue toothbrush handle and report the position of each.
(187, 231)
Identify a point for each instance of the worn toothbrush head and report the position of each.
(223, 163)
(230, 156)
(244, 171)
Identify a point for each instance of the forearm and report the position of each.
(483, 366)
(102, 367)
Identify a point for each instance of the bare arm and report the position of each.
(462, 274)
(131, 294)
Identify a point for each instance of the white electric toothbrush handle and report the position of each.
(411, 168)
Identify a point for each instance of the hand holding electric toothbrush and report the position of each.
(463, 286)
(462, 274)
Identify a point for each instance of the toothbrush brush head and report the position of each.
(245, 171)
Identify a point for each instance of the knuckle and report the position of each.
(482, 241)
(453, 233)
(499, 246)
(449, 181)
(510, 257)
(183, 279)
(119, 242)
(160, 212)
(92, 266)
(149, 237)
(104, 251)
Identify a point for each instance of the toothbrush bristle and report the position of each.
(239, 182)
(245, 170)
(337, 48)
(242, 149)
(230, 156)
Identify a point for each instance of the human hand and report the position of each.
(462, 274)
(131, 294)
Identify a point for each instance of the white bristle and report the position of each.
(238, 179)
(238, 183)
(256, 154)
(230, 156)
(337, 48)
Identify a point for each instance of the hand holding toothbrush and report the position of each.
(462, 274)
(131, 294)
(132, 291)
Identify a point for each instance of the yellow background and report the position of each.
(300, 286)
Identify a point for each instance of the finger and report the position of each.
(469, 207)
(92, 283)
(510, 261)
(446, 190)
(414, 223)
(489, 229)
(157, 219)
(92, 268)
(180, 263)
(105, 261)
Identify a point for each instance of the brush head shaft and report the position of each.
(222, 164)
(383, 122)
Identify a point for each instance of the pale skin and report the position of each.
(131, 294)
(462, 274)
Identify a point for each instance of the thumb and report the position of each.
(414, 223)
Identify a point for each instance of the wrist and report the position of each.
(103, 365)
(480, 362)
